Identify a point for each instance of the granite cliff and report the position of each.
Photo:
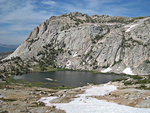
(78, 41)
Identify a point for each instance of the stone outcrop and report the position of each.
(93, 42)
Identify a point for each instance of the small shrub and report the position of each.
(90, 57)
(77, 23)
(98, 37)
(69, 52)
(142, 86)
(147, 61)
(128, 83)
(60, 50)
(38, 104)
(95, 67)
(119, 79)
(136, 77)
(93, 41)
(8, 99)
(29, 49)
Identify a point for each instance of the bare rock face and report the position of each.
(103, 43)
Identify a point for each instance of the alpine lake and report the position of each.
(67, 79)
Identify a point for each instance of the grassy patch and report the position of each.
(144, 81)
(119, 79)
(138, 80)
(12, 81)
(143, 87)
(2, 85)
(128, 83)
(136, 77)
(147, 61)
(37, 104)
(8, 99)
(36, 68)
(62, 87)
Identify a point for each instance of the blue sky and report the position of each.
(19, 17)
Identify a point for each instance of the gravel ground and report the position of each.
(16, 99)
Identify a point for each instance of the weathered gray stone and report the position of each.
(94, 42)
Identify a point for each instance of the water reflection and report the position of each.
(68, 78)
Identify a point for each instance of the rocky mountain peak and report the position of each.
(78, 41)
(76, 14)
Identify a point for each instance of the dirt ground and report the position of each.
(130, 97)
(20, 99)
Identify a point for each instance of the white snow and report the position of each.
(85, 104)
(75, 54)
(68, 63)
(118, 68)
(130, 27)
(100, 91)
(47, 100)
(93, 105)
(128, 71)
(49, 79)
(106, 70)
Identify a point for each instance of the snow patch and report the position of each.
(100, 91)
(106, 70)
(49, 79)
(128, 71)
(130, 27)
(93, 105)
(118, 68)
(85, 104)
(47, 100)
(75, 54)
(68, 63)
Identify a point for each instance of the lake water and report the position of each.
(67, 78)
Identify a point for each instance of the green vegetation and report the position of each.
(121, 20)
(100, 36)
(147, 61)
(136, 77)
(15, 66)
(48, 57)
(8, 99)
(93, 41)
(142, 80)
(105, 66)
(128, 83)
(95, 66)
(37, 68)
(143, 87)
(31, 42)
(11, 81)
(65, 27)
(69, 52)
(77, 20)
(131, 41)
(138, 80)
(117, 62)
(2, 85)
(97, 38)
(138, 17)
(89, 19)
(37, 104)
(119, 79)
